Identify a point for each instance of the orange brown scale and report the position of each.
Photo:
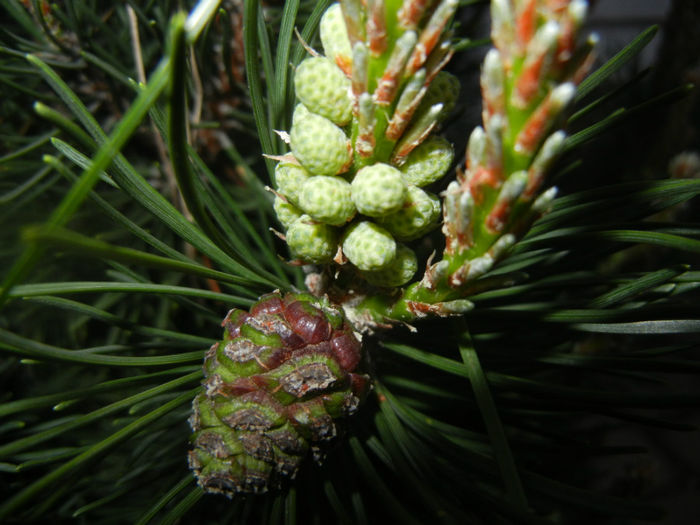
(528, 83)
(526, 23)
(376, 29)
(534, 129)
(345, 65)
(479, 178)
(411, 12)
(497, 219)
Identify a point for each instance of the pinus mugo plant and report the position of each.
(416, 326)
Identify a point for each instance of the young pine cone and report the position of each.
(277, 386)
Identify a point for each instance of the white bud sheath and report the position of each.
(577, 10)
(544, 201)
(476, 148)
(502, 24)
(492, 83)
(360, 57)
(562, 95)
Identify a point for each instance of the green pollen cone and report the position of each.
(369, 246)
(324, 89)
(311, 241)
(319, 145)
(327, 199)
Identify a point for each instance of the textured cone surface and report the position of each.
(278, 386)
(428, 162)
(378, 190)
(444, 89)
(324, 89)
(311, 241)
(289, 178)
(400, 270)
(419, 214)
(327, 199)
(286, 213)
(300, 113)
(319, 145)
(369, 246)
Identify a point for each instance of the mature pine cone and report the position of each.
(276, 387)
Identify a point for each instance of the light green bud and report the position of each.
(419, 214)
(368, 246)
(324, 89)
(311, 241)
(300, 112)
(399, 271)
(428, 162)
(443, 89)
(286, 212)
(334, 35)
(327, 199)
(378, 190)
(319, 145)
(289, 179)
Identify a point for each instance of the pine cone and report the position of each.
(277, 387)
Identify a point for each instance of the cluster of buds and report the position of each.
(527, 81)
(277, 387)
(351, 191)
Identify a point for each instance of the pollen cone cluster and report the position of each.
(351, 190)
(277, 389)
